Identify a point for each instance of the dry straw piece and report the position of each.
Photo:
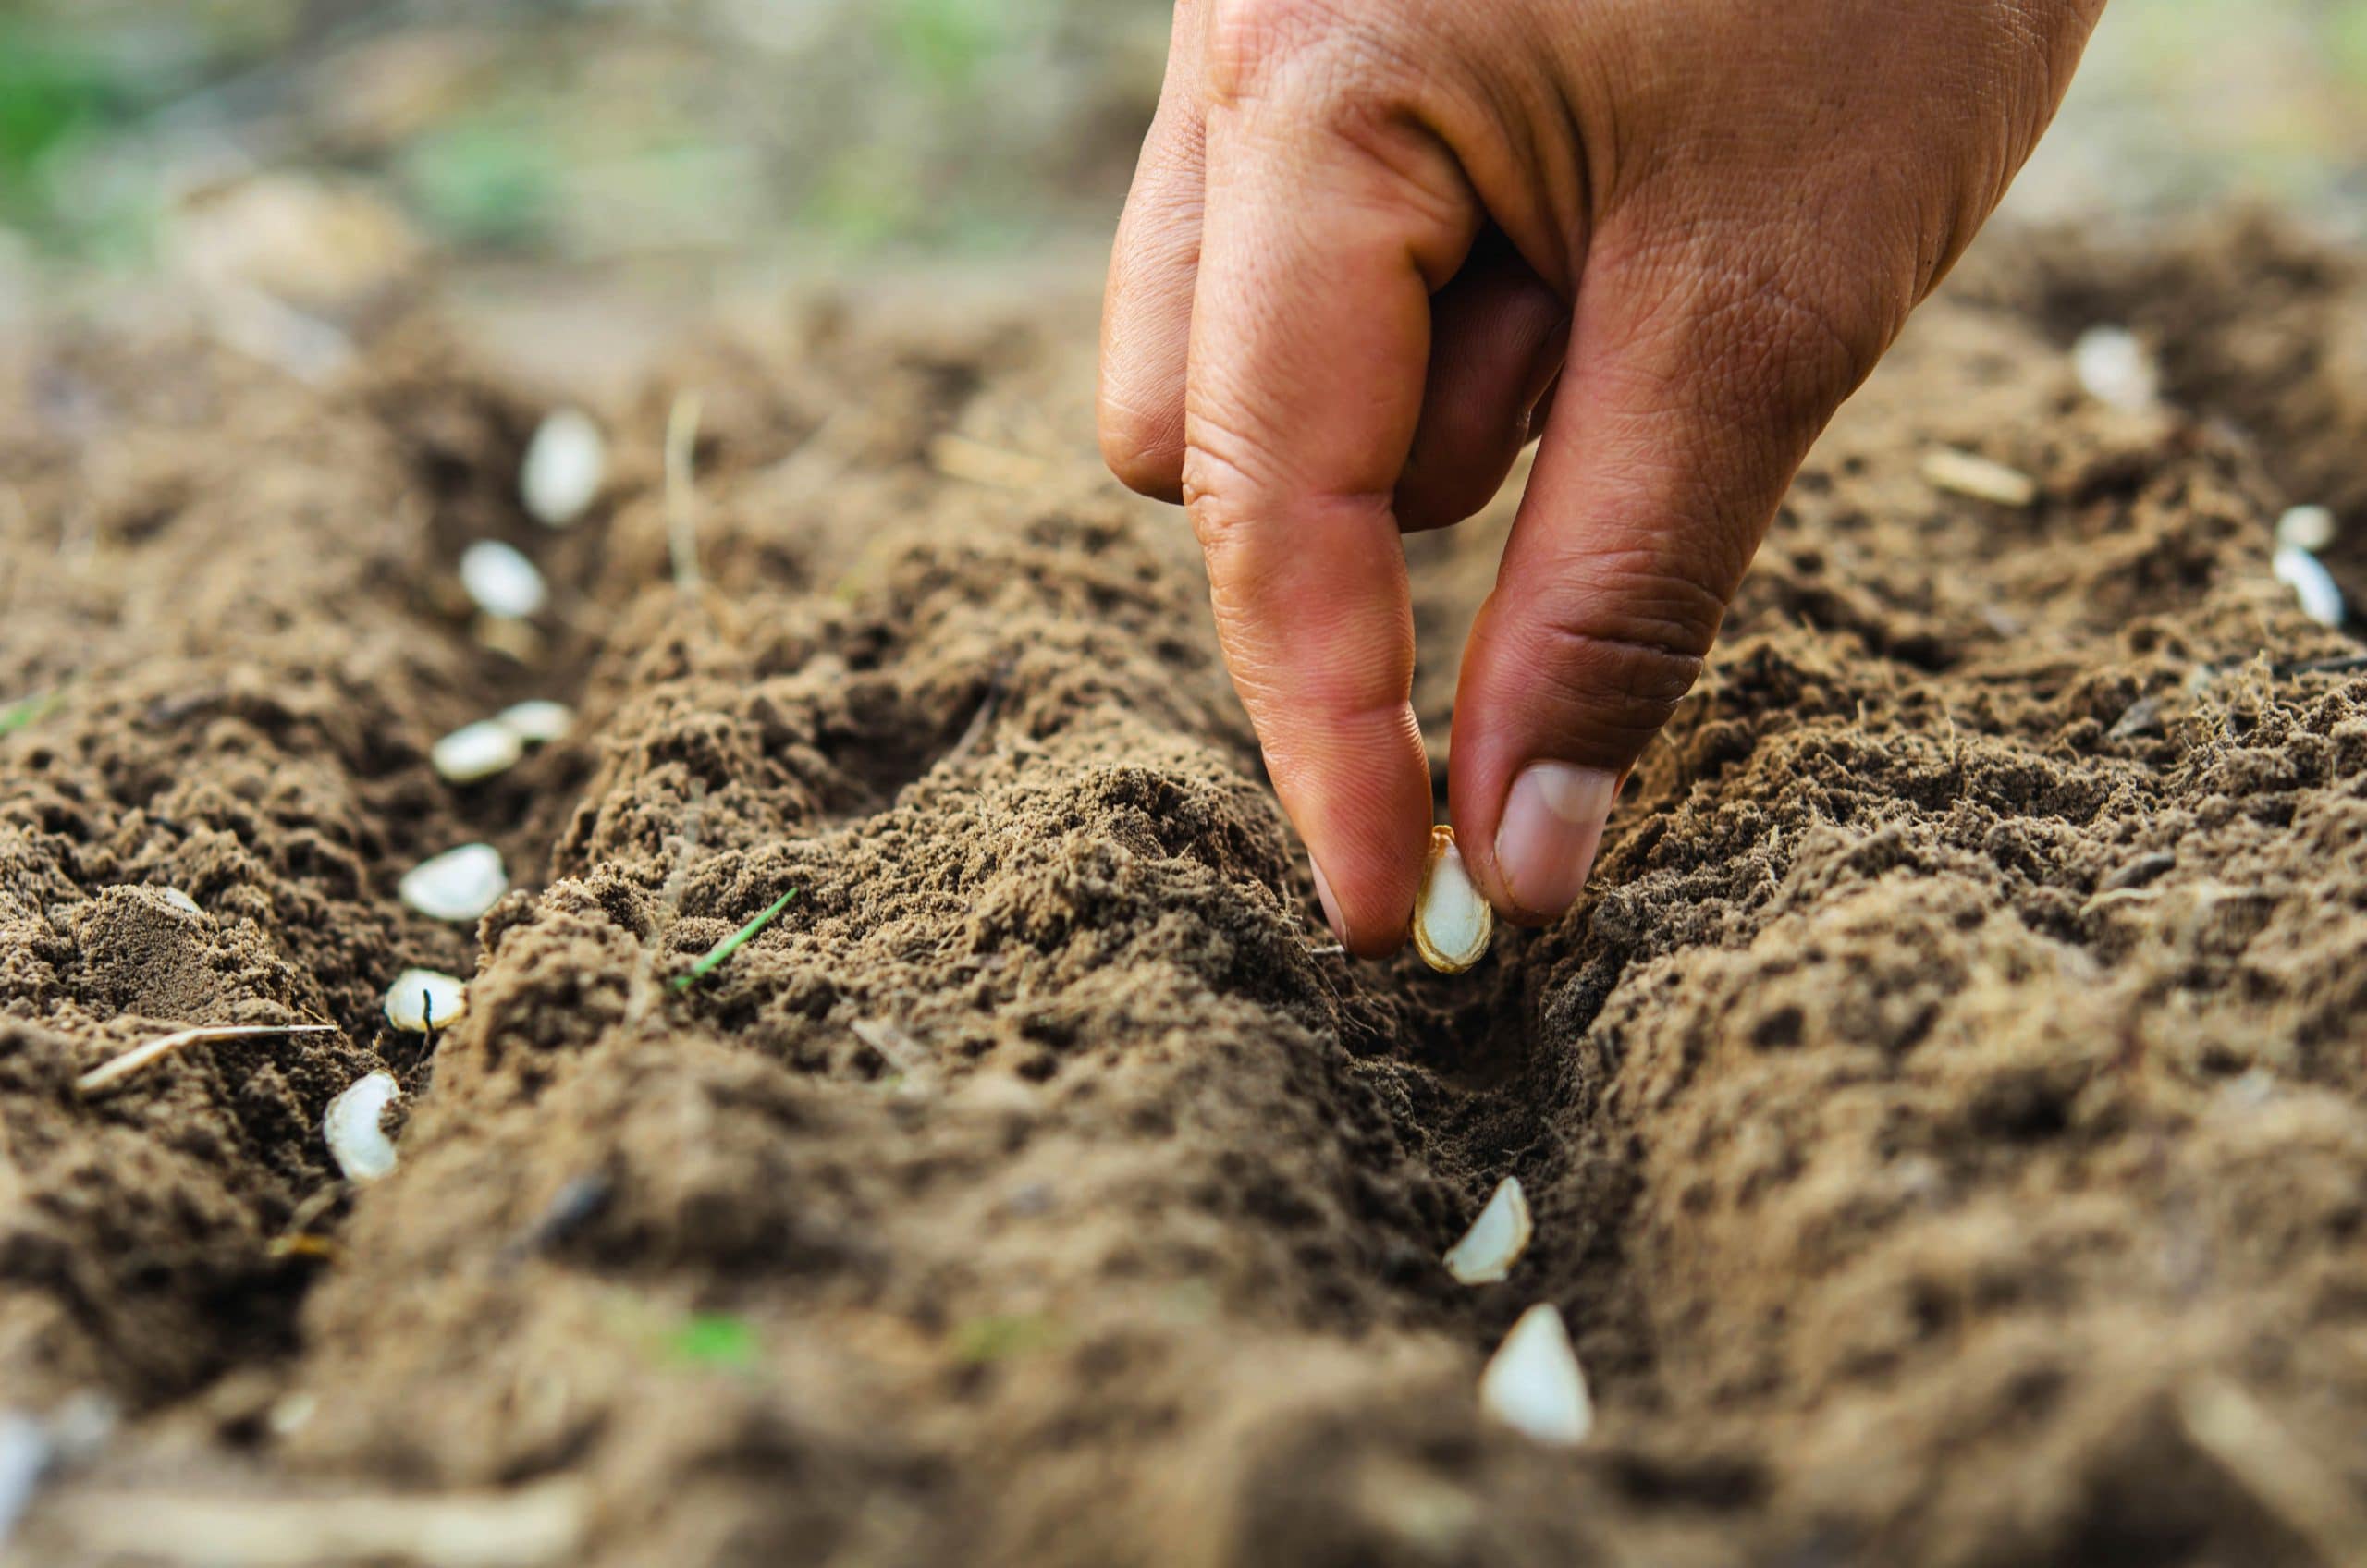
(1982, 479)
(1453, 923)
(109, 1074)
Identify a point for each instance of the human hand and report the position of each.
(1342, 300)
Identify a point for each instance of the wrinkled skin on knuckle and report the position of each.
(1621, 691)
(1145, 451)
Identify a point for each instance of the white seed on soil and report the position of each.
(422, 998)
(2306, 528)
(458, 885)
(566, 462)
(477, 751)
(503, 581)
(2114, 369)
(181, 902)
(1496, 1239)
(1453, 923)
(1982, 479)
(538, 723)
(356, 1142)
(2310, 583)
(1533, 1384)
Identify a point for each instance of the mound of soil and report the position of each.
(1945, 1117)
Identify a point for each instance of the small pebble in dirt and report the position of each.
(566, 462)
(356, 1142)
(2311, 583)
(1453, 923)
(476, 752)
(2114, 369)
(1982, 479)
(1533, 1384)
(458, 885)
(538, 723)
(1496, 1239)
(424, 998)
(2306, 528)
(502, 580)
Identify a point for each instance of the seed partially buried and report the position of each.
(424, 998)
(502, 580)
(1453, 923)
(458, 885)
(1496, 1239)
(356, 1142)
(1533, 1384)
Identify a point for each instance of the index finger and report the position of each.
(1309, 347)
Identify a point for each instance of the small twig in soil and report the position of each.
(2279, 1470)
(108, 1073)
(681, 499)
(722, 950)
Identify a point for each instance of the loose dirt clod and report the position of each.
(458, 885)
(1488, 1251)
(1533, 1384)
(421, 999)
(357, 1141)
(566, 462)
(1452, 921)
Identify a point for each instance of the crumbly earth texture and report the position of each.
(1945, 1117)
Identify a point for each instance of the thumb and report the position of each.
(1690, 395)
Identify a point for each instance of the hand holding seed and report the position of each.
(1372, 251)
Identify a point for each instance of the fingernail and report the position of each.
(1552, 827)
(1323, 895)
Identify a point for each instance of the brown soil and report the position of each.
(1946, 1119)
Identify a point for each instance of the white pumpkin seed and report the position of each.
(503, 581)
(2306, 528)
(1533, 1384)
(477, 751)
(538, 723)
(424, 998)
(566, 462)
(2311, 583)
(1496, 1239)
(458, 885)
(1453, 923)
(2115, 370)
(356, 1142)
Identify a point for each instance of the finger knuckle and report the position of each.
(1621, 672)
(1786, 341)
(1143, 449)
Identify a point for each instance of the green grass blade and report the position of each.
(731, 944)
(25, 710)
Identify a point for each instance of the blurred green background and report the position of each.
(637, 134)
